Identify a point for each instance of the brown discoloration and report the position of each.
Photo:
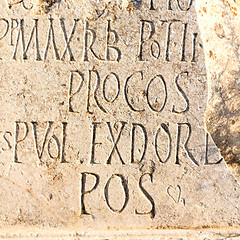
(44, 6)
(92, 9)
(221, 42)
(219, 30)
(233, 9)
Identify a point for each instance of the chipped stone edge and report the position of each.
(35, 233)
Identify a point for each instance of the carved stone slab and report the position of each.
(102, 119)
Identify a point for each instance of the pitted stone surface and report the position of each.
(219, 23)
(102, 121)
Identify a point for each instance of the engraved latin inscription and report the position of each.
(156, 40)
(46, 143)
(106, 109)
(96, 88)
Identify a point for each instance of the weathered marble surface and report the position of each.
(219, 23)
(179, 234)
(102, 119)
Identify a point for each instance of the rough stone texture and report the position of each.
(102, 121)
(179, 234)
(220, 25)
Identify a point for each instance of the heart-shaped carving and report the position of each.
(174, 193)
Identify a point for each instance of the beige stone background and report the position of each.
(220, 29)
